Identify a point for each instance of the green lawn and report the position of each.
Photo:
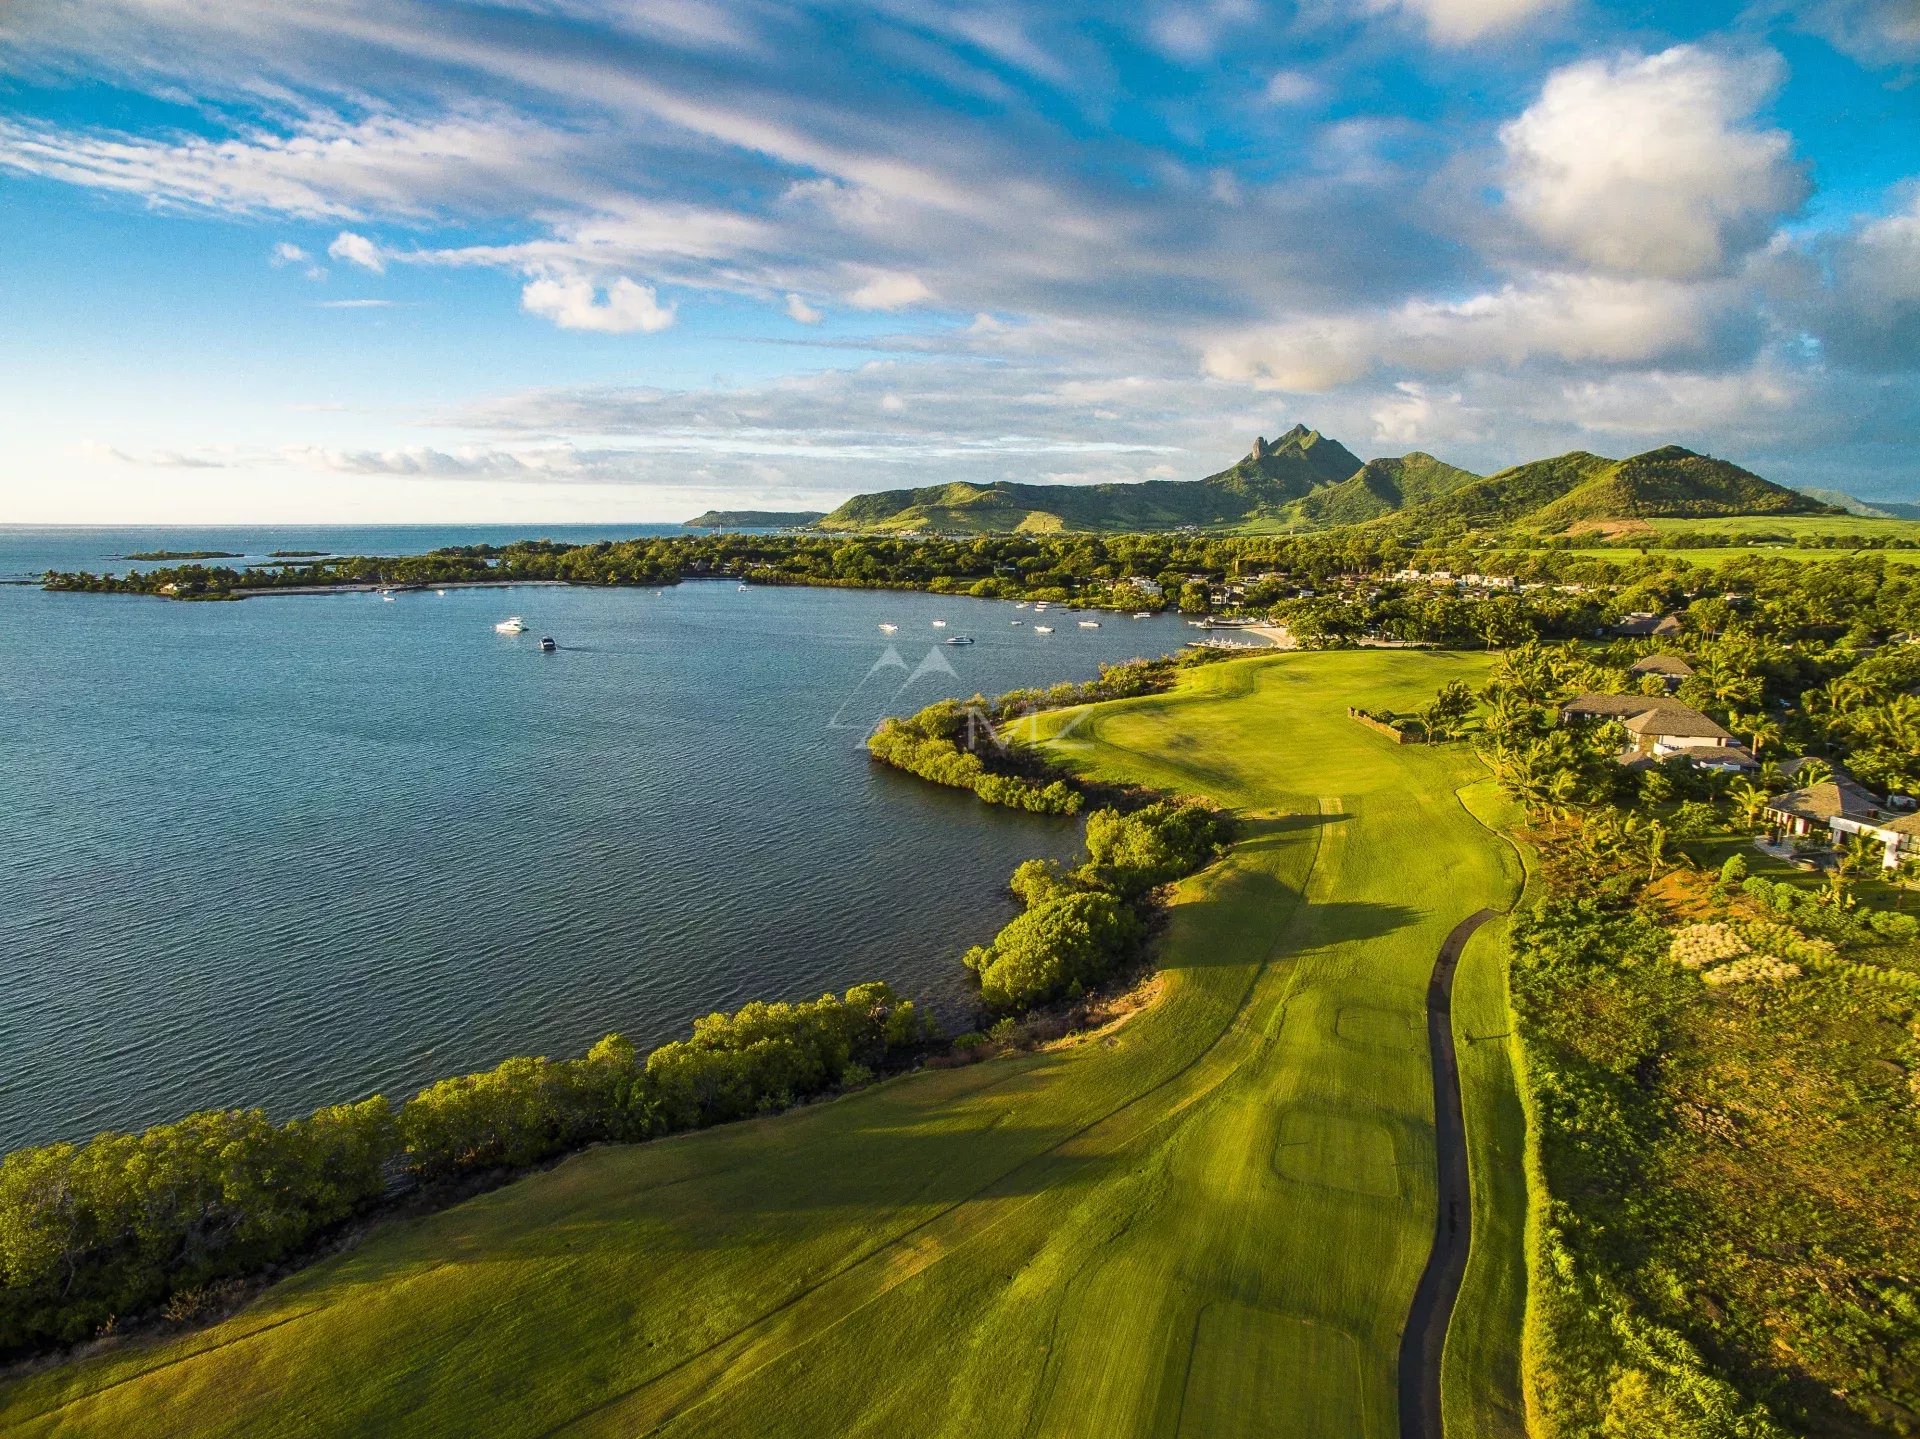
(1771, 536)
(1749, 526)
(1207, 1223)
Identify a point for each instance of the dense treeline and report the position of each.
(955, 745)
(1078, 926)
(95, 1231)
(974, 744)
(1075, 927)
(1087, 568)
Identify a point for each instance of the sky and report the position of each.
(599, 260)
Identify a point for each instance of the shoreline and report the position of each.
(362, 587)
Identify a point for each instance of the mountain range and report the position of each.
(1306, 481)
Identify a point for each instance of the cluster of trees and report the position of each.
(957, 745)
(94, 1231)
(1078, 926)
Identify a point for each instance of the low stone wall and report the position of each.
(1373, 722)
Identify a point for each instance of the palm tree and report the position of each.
(1764, 730)
(1749, 801)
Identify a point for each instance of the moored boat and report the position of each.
(1043, 629)
(1089, 624)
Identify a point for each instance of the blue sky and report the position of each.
(584, 260)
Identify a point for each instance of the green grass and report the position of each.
(1207, 1222)
(1794, 526)
(1770, 536)
(1480, 1375)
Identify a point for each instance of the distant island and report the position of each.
(296, 554)
(755, 519)
(183, 555)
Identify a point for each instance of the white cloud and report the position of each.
(357, 250)
(355, 304)
(328, 167)
(1461, 22)
(799, 309)
(890, 290)
(1193, 31)
(1874, 32)
(286, 253)
(1556, 317)
(1651, 165)
(1858, 291)
(1293, 87)
(574, 302)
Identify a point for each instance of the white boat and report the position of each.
(547, 644)
(441, 593)
(1040, 605)
(958, 640)
(1016, 622)
(939, 624)
(888, 629)
(743, 589)
(387, 595)
(512, 625)
(1143, 614)
(1021, 606)
(1089, 624)
(1043, 629)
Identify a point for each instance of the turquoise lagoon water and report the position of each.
(299, 849)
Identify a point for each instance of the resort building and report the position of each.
(1844, 809)
(1661, 728)
(1671, 668)
(1643, 624)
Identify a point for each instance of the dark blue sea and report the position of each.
(299, 849)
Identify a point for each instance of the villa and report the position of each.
(1671, 668)
(1662, 728)
(1643, 624)
(1844, 809)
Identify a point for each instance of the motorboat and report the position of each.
(1143, 614)
(1021, 606)
(547, 645)
(1043, 629)
(1016, 623)
(1089, 624)
(441, 593)
(387, 595)
(939, 624)
(512, 625)
(959, 639)
(888, 629)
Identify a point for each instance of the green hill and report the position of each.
(1260, 488)
(1381, 487)
(754, 519)
(1675, 483)
(1305, 481)
(1669, 482)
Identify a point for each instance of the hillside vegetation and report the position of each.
(1306, 481)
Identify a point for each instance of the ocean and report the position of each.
(299, 849)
